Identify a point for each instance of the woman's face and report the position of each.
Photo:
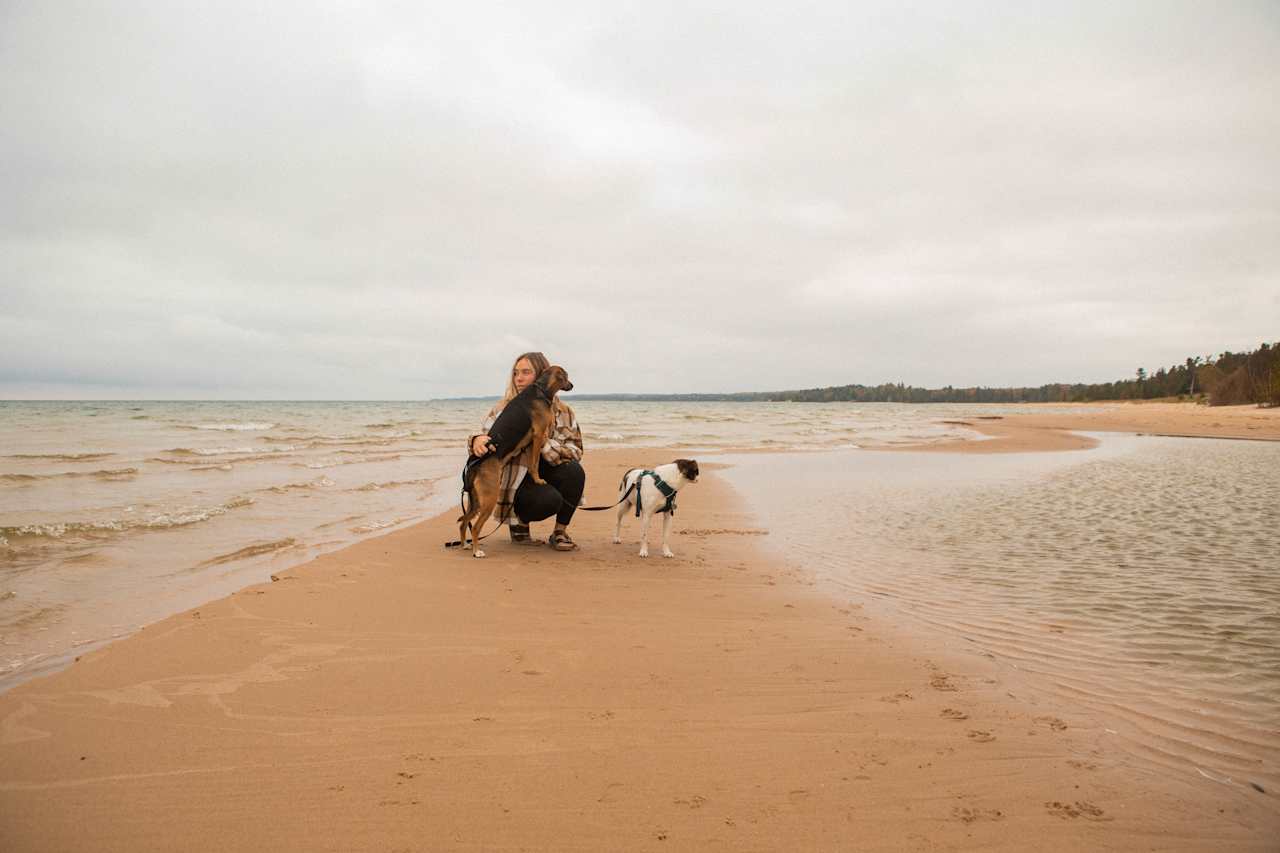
(522, 374)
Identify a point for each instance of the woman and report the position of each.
(522, 500)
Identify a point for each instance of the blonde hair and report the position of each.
(537, 361)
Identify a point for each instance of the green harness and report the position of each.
(667, 492)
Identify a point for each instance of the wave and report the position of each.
(179, 517)
(374, 526)
(219, 461)
(333, 463)
(373, 440)
(321, 483)
(244, 427)
(249, 551)
(34, 615)
(227, 451)
(390, 484)
(66, 457)
(105, 474)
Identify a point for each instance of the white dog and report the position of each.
(655, 491)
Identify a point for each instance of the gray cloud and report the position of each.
(323, 200)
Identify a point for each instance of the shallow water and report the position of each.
(1138, 580)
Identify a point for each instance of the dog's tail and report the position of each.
(623, 484)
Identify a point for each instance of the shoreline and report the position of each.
(393, 694)
(1049, 431)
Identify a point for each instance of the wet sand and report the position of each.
(395, 696)
(1052, 426)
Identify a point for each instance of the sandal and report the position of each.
(561, 542)
(520, 535)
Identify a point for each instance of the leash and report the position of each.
(458, 543)
(625, 495)
(666, 490)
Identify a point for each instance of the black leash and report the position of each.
(458, 543)
(625, 495)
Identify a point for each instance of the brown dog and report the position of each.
(521, 427)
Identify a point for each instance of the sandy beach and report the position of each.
(1050, 426)
(397, 696)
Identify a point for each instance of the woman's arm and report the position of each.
(565, 441)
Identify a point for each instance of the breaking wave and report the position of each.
(178, 517)
(390, 484)
(245, 427)
(104, 474)
(249, 551)
(322, 482)
(65, 457)
(375, 526)
(226, 451)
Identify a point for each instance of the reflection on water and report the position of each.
(1139, 579)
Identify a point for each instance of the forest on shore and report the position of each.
(1227, 379)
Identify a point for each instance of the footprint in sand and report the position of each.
(897, 697)
(981, 736)
(1079, 808)
(1053, 723)
(1082, 765)
(697, 801)
(953, 714)
(968, 815)
(941, 681)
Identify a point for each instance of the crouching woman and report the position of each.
(521, 500)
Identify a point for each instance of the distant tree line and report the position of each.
(1230, 378)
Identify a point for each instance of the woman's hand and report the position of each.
(479, 445)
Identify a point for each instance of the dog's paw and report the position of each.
(644, 552)
(666, 552)
(538, 481)
(477, 554)
(617, 540)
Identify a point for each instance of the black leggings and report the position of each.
(559, 497)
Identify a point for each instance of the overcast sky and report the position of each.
(391, 200)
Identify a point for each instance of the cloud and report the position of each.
(332, 200)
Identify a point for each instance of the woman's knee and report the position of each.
(573, 473)
(537, 504)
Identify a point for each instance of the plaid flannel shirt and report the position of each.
(564, 443)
